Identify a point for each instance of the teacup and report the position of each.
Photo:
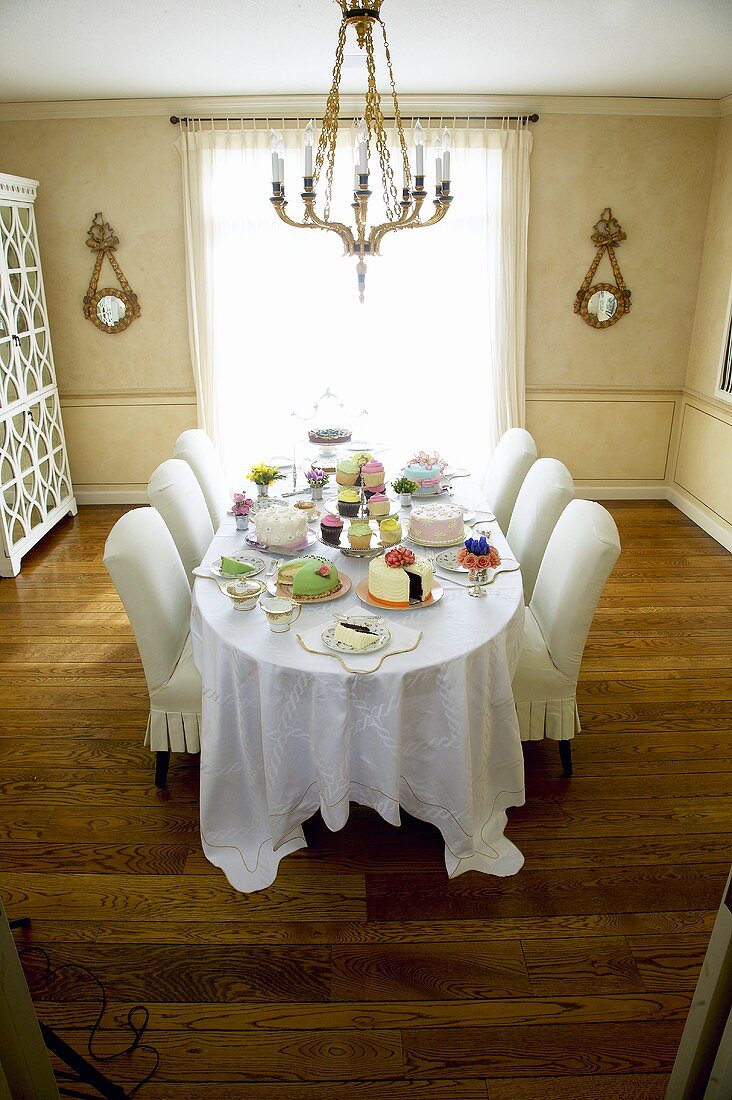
(244, 594)
(281, 613)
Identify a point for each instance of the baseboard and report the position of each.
(719, 531)
(654, 490)
(110, 496)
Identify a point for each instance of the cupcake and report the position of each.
(347, 472)
(362, 458)
(390, 530)
(359, 536)
(330, 529)
(349, 502)
(378, 505)
(372, 474)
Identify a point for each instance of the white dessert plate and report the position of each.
(287, 551)
(450, 474)
(242, 556)
(362, 591)
(448, 560)
(276, 589)
(468, 533)
(384, 636)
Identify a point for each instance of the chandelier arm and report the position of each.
(397, 112)
(315, 222)
(380, 231)
(408, 216)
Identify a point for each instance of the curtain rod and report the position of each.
(175, 120)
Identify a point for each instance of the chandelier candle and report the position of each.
(363, 240)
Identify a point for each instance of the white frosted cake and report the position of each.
(284, 527)
(437, 524)
(399, 577)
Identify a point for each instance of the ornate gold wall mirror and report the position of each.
(602, 304)
(113, 308)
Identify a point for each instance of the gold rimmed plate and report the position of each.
(362, 591)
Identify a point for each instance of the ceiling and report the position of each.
(80, 49)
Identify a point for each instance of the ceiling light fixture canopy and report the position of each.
(401, 213)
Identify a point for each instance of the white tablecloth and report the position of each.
(286, 733)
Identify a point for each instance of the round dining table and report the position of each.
(286, 732)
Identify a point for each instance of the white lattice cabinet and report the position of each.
(35, 485)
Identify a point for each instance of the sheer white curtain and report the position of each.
(435, 355)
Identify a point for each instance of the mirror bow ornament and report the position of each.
(111, 309)
(603, 304)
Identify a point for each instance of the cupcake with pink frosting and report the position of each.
(372, 474)
(378, 505)
(331, 528)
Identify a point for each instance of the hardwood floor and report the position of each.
(364, 972)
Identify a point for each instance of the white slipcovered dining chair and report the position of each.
(546, 491)
(174, 491)
(148, 574)
(582, 551)
(195, 448)
(510, 463)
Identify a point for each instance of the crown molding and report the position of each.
(412, 105)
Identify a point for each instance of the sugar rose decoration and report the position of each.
(398, 557)
(324, 570)
(424, 458)
(478, 554)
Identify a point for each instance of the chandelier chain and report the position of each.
(397, 112)
(329, 134)
(375, 123)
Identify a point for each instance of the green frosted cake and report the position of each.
(310, 578)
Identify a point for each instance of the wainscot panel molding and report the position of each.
(701, 484)
(105, 467)
(617, 442)
(307, 106)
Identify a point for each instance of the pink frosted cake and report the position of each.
(437, 524)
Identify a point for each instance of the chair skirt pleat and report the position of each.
(557, 719)
(169, 731)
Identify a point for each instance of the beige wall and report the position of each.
(124, 397)
(655, 172)
(702, 473)
(604, 401)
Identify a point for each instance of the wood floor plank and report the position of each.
(669, 964)
(382, 1089)
(617, 1086)
(234, 1057)
(152, 972)
(667, 924)
(550, 1051)
(411, 972)
(141, 859)
(571, 966)
(144, 897)
(533, 893)
(201, 1017)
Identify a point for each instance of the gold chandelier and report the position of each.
(405, 213)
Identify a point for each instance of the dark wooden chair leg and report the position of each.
(565, 754)
(162, 759)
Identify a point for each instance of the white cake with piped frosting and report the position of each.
(285, 527)
(437, 524)
(400, 584)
